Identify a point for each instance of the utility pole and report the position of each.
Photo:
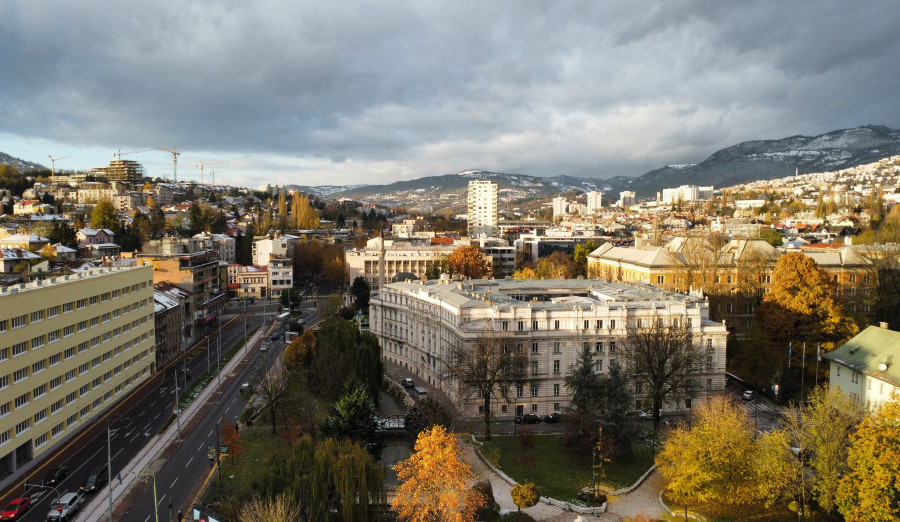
(174, 162)
(219, 354)
(178, 402)
(150, 472)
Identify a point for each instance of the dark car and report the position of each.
(55, 476)
(553, 418)
(95, 481)
(408, 383)
(15, 509)
(274, 336)
(528, 418)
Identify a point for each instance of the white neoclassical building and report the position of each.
(551, 320)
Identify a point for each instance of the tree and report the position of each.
(425, 414)
(661, 358)
(871, 490)
(615, 401)
(231, 439)
(276, 509)
(354, 417)
(435, 482)
(104, 215)
(300, 352)
(359, 289)
(580, 257)
(585, 387)
(469, 262)
(525, 495)
(525, 272)
(270, 385)
(711, 462)
(63, 233)
(488, 367)
(290, 297)
(342, 355)
(305, 216)
(157, 223)
(555, 266)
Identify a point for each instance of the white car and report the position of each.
(749, 395)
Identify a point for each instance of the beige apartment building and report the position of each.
(70, 347)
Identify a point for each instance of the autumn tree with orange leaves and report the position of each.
(435, 482)
(469, 262)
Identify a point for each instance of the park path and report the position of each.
(641, 500)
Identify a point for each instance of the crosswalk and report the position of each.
(764, 408)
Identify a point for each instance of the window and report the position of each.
(598, 366)
(19, 348)
(556, 347)
(521, 326)
(534, 408)
(22, 400)
(4, 381)
(599, 324)
(53, 311)
(69, 353)
(23, 426)
(660, 279)
(709, 361)
(37, 316)
(556, 325)
(598, 347)
(5, 408)
(834, 278)
(587, 324)
(68, 307)
(56, 383)
(38, 366)
(20, 374)
(612, 347)
(556, 392)
(82, 325)
(519, 391)
(504, 325)
(534, 367)
(3, 326)
(534, 390)
(4, 354)
(53, 336)
(855, 377)
(612, 324)
(40, 390)
(556, 366)
(18, 322)
(852, 278)
(555, 406)
(94, 300)
(37, 342)
(71, 374)
(82, 303)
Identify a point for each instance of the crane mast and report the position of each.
(174, 162)
(53, 163)
(202, 164)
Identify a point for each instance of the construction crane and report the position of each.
(53, 163)
(174, 162)
(118, 155)
(202, 164)
(214, 172)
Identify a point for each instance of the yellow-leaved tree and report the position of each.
(435, 482)
(871, 490)
(469, 262)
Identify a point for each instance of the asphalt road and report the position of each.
(189, 464)
(131, 430)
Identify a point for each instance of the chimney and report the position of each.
(883, 324)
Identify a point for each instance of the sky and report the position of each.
(366, 92)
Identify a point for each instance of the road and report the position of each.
(129, 430)
(189, 465)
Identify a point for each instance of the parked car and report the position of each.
(408, 383)
(420, 391)
(55, 476)
(749, 395)
(15, 509)
(553, 418)
(245, 387)
(528, 418)
(65, 507)
(640, 414)
(95, 481)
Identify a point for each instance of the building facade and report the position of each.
(69, 348)
(550, 320)
(866, 367)
(483, 208)
(414, 257)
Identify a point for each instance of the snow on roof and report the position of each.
(95, 231)
(17, 253)
(163, 302)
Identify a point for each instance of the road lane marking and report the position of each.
(173, 483)
(189, 460)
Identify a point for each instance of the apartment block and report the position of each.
(483, 208)
(70, 347)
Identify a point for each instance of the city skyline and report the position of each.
(288, 93)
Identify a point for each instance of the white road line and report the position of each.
(189, 460)
(157, 416)
(173, 483)
(200, 447)
(147, 519)
(162, 498)
(211, 432)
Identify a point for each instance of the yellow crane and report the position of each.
(53, 163)
(174, 162)
(214, 172)
(202, 164)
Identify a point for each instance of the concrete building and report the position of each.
(865, 367)
(551, 320)
(594, 202)
(279, 246)
(224, 243)
(399, 256)
(119, 170)
(627, 198)
(483, 208)
(281, 276)
(682, 194)
(248, 281)
(69, 348)
(560, 207)
(168, 322)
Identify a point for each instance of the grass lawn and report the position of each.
(561, 471)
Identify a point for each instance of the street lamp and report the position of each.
(150, 472)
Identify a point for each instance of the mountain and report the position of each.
(770, 159)
(741, 163)
(323, 190)
(22, 165)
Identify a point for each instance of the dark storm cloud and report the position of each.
(345, 92)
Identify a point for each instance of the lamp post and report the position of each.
(178, 402)
(150, 472)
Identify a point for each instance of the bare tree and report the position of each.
(486, 369)
(661, 358)
(271, 383)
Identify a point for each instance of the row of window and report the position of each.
(55, 310)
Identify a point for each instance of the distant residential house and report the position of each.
(95, 236)
(12, 258)
(30, 242)
(27, 207)
(866, 367)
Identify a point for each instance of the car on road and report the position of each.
(553, 418)
(55, 476)
(95, 481)
(15, 509)
(264, 347)
(528, 418)
(65, 507)
(274, 336)
(245, 387)
(640, 414)
(408, 383)
(749, 395)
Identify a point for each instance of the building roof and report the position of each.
(163, 302)
(871, 350)
(17, 253)
(95, 231)
(24, 238)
